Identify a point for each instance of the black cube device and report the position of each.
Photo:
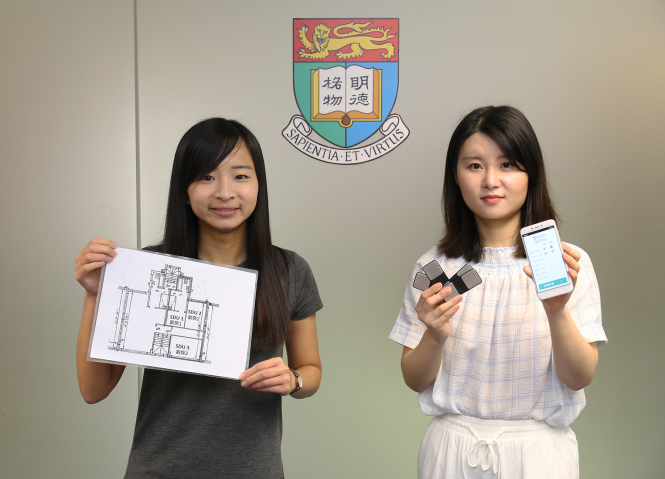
(465, 279)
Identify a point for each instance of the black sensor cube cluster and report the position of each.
(465, 279)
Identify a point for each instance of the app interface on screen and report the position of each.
(549, 269)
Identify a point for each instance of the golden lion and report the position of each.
(360, 38)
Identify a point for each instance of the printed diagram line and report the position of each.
(172, 324)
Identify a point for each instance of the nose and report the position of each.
(492, 178)
(225, 190)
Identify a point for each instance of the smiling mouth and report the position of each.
(225, 212)
(491, 198)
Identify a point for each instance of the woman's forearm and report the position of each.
(311, 379)
(302, 348)
(96, 380)
(574, 358)
(421, 365)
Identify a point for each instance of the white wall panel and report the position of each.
(67, 173)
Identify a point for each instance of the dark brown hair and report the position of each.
(203, 147)
(513, 133)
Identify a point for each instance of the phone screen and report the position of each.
(545, 256)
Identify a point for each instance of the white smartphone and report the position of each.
(545, 254)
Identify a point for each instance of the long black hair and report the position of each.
(513, 133)
(200, 151)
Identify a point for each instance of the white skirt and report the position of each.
(458, 446)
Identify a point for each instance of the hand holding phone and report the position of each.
(549, 271)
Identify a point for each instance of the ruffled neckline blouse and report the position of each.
(497, 362)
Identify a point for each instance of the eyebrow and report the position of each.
(475, 157)
(242, 167)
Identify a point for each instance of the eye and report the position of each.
(207, 178)
(506, 164)
(241, 177)
(475, 166)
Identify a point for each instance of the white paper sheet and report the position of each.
(173, 313)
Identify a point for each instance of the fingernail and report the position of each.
(447, 291)
(242, 376)
(243, 384)
(115, 245)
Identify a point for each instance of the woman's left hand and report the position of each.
(271, 375)
(571, 257)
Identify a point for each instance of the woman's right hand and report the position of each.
(87, 270)
(96, 380)
(421, 364)
(435, 313)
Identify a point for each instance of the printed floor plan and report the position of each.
(164, 320)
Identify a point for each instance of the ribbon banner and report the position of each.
(394, 132)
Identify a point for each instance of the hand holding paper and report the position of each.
(272, 375)
(93, 256)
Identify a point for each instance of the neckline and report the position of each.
(502, 255)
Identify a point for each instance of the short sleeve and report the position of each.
(304, 294)
(584, 303)
(408, 329)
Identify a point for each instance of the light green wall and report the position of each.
(589, 76)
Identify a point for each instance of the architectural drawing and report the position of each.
(164, 320)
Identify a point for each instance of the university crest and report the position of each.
(345, 79)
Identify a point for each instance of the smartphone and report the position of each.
(545, 253)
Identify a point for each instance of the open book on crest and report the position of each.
(346, 94)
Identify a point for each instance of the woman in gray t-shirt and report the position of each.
(199, 426)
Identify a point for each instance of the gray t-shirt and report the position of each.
(203, 427)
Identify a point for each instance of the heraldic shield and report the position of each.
(345, 75)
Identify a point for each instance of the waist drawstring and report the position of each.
(489, 450)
